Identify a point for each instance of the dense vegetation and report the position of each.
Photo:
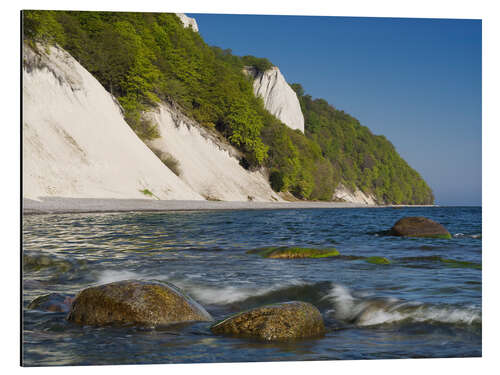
(145, 58)
(359, 158)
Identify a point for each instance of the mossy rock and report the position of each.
(377, 260)
(53, 302)
(294, 252)
(277, 322)
(135, 302)
(419, 226)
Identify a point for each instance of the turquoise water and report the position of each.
(426, 303)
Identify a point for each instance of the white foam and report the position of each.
(343, 302)
(368, 312)
(462, 235)
(110, 276)
(231, 294)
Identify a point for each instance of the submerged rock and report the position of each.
(53, 302)
(39, 262)
(418, 227)
(281, 321)
(448, 262)
(377, 260)
(135, 302)
(294, 252)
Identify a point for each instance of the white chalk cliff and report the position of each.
(206, 162)
(188, 21)
(279, 98)
(76, 142)
(344, 194)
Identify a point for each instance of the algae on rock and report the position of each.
(294, 252)
(377, 260)
(135, 302)
(280, 321)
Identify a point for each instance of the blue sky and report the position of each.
(416, 81)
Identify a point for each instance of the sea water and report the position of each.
(425, 303)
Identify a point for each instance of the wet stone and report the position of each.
(281, 321)
(135, 302)
(54, 302)
(419, 226)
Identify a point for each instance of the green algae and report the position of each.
(461, 264)
(377, 260)
(294, 252)
(275, 322)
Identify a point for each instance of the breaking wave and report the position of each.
(374, 311)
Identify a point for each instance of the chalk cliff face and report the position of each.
(76, 142)
(279, 98)
(206, 163)
(344, 194)
(188, 21)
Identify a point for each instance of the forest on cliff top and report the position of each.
(145, 58)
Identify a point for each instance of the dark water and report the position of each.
(426, 303)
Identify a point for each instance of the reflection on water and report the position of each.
(418, 306)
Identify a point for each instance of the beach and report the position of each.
(70, 205)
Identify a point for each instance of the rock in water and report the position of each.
(135, 302)
(378, 260)
(294, 252)
(281, 321)
(419, 227)
(53, 302)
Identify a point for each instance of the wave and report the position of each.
(228, 295)
(473, 235)
(110, 276)
(364, 311)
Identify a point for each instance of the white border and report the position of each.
(485, 10)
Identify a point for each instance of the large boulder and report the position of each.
(135, 302)
(53, 302)
(281, 321)
(419, 227)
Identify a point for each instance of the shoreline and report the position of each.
(59, 205)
